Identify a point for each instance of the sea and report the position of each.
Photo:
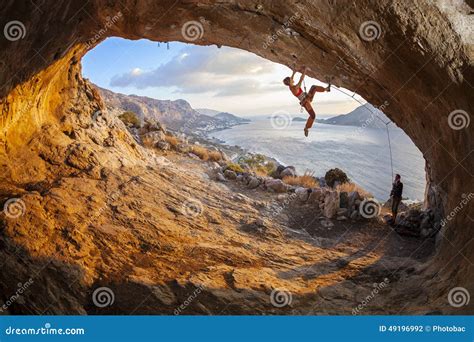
(363, 153)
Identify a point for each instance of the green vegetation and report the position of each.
(336, 175)
(130, 119)
(235, 167)
(258, 163)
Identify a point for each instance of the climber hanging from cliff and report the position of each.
(305, 97)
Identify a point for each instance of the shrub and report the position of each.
(214, 155)
(201, 152)
(336, 175)
(258, 163)
(172, 140)
(130, 119)
(348, 187)
(235, 167)
(307, 180)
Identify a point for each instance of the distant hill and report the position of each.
(298, 118)
(177, 115)
(231, 118)
(363, 116)
(223, 115)
(207, 111)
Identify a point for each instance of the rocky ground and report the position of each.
(166, 238)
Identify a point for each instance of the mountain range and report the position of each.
(176, 115)
(363, 116)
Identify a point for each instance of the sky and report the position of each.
(223, 79)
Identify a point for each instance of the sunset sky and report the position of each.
(224, 79)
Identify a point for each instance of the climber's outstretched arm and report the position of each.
(303, 74)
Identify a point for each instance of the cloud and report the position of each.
(195, 70)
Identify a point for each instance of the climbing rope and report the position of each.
(376, 115)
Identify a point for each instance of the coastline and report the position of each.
(235, 151)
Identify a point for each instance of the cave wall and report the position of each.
(418, 65)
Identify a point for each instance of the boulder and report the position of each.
(230, 174)
(276, 185)
(289, 171)
(253, 182)
(220, 177)
(163, 145)
(352, 197)
(343, 212)
(354, 215)
(302, 194)
(278, 170)
(343, 200)
(316, 195)
(152, 138)
(331, 204)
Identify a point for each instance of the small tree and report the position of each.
(336, 175)
(130, 119)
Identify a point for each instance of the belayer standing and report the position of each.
(396, 195)
(305, 98)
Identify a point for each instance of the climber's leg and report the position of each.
(313, 91)
(312, 117)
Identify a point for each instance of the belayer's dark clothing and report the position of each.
(397, 189)
(396, 194)
(395, 203)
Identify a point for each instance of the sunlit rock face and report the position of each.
(415, 60)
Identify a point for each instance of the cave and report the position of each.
(416, 59)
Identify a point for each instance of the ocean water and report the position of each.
(363, 153)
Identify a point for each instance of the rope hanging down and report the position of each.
(385, 123)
